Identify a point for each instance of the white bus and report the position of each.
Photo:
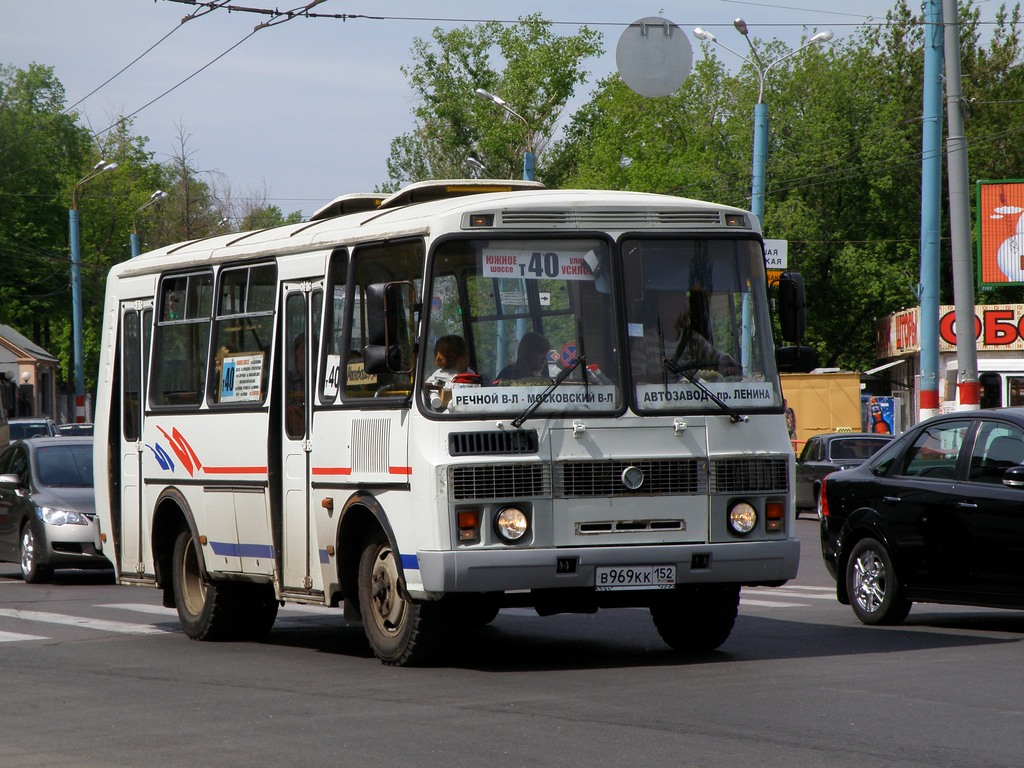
(265, 432)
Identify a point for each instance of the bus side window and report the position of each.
(374, 265)
(182, 339)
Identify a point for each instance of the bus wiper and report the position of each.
(687, 373)
(562, 376)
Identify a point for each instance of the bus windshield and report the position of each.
(506, 317)
(516, 313)
(697, 323)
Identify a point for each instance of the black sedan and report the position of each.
(832, 452)
(47, 507)
(935, 516)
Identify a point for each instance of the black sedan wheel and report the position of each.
(872, 585)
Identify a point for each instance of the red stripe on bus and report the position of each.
(332, 470)
(399, 470)
(235, 470)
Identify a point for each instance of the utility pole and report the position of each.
(960, 217)
(931, 209)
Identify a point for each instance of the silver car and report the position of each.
(47, 507)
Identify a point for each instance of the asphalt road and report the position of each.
(96, 675)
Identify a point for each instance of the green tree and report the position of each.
(540, 72)
(843, 182)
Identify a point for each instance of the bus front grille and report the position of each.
(576, 479)
(749, 475)
(500, 481)
(492, 443)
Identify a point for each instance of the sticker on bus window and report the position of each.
(535, 265)
(241, 378)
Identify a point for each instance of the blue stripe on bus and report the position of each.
(228, 549)
(410, 562)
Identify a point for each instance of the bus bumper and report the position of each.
(497, 570)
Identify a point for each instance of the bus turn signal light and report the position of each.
(469, 524)
(774, 516)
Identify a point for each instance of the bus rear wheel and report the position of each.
(401, 632)
(203, 607)
(697, 619)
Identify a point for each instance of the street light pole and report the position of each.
(528, 159)
(156, 197)
(76, 287)
(760, 158)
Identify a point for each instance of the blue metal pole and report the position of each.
(760, 160)
(931, 207)
(76, 304)
(135, 244)
(528, 166)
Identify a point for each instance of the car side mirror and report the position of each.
(1012, 478)
(11, 482)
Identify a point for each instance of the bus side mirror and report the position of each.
(792, 308)
(796, 359)
(391, 327)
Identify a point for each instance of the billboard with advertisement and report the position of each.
(997, 328)
(1001, 228)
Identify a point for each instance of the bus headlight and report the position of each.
(511, 523)
(742, 518)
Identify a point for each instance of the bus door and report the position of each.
(136, 328)
(302, 302)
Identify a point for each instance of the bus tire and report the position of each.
(400, 632)
(203, 607)
(697, 619)
(257, 611)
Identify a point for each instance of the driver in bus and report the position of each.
(531, 359)
(675, 337)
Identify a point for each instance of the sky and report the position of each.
(305, 110)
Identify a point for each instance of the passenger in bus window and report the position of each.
(531, 359)
(673, 335)
(451, 356)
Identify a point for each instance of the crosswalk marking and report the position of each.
(12, 637)
(120, 627)
(770, 603)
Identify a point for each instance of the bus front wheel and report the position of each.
(400, 632)
(203, 607)
(697, 619)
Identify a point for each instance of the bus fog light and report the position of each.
(511, 523)
(742, 518)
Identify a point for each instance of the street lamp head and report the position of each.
(107, 167)
(488, 96)
(158, 196)
(703, 34)
(822, 37)
(741, 26)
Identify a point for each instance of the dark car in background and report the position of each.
(47, 507)
(936, 516)
(22, 429)
(827, 453)
(75, 428)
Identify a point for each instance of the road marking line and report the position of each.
(789, 593)
(120, 627)
(159, 610)
(12, 637)
(771, 604)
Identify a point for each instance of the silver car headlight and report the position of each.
(58, 516)
(511, 523)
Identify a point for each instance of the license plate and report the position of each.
(608, 578)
